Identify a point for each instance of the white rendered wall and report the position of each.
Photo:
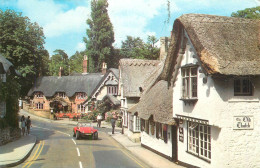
(158, 144)
(217, 104)
(102, 93)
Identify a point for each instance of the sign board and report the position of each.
(243, 122)
(181, 135)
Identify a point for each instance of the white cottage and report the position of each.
(107, 88)
(214, 66)
(132, 73)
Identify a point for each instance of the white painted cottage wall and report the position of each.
(102, 93)
(216, 103)
(158, 144)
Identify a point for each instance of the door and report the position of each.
(174, 143)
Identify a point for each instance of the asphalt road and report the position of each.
(56, 148)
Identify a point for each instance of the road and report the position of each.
(56, 148)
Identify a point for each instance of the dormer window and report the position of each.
(81, 95)
(189, 82)
(39, 95)
(61, 94)
(243, 87)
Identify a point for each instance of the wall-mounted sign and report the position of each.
(181, 136)
(243, 122)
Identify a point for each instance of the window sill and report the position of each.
(189, 100)
(196, 155)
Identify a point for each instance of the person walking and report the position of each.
(28, 125)
(99, 119)
(23, 123)
(113, 123)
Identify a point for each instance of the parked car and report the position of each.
(85, 129)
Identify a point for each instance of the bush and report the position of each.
(3, 123)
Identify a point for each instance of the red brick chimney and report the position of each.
(60, 72)
(85, 64)
(104, 68)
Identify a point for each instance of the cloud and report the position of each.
(131, 17)
(55, 18)
(71, 21)
(80, 46)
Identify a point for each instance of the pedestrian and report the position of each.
(28, 125)
(113, 123)
(99, 119)
(23, 123)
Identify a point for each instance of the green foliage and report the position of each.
(59, 59)
(75, 62)
(100, 36)
(9, 92)
(21, 42)
(248, 13)
(134, 47)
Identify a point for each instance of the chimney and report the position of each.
(163, 47)
(85, 64)
(60, 72)
(104, 68)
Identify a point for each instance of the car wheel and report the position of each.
(96, 135)
(77, 135)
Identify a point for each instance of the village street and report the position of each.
(57, 148)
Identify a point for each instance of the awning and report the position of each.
(192, 119)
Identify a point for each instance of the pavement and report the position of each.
(16, 152)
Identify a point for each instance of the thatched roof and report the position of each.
(133, 74)
(224, 45)
(157, 102)
(49, 85)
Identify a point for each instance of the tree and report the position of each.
(21, 42)
(75, 62)
(59, 59)
(100, 36)
(248, 13)
(134, 47)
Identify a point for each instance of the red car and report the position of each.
(84, 129)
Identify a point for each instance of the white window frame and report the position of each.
(81, 95)
(81, 108)
(199, 140)
(243, 87)
(189, 82)
(137, 123)
(112, 90)
(39, 95)
(39, 106)
(61, 94)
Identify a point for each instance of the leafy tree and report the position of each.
(75, 62)
(21, 42)
(100, 36)
(134, 47)
(59, 59)
(248, 13)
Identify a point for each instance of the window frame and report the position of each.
(199, 140)
(81, 95)
(112, 90)
(39, 106)
(241, 87)
(187, 74)
(39, 95)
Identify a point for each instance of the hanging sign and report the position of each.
(181, 136)
(243, 122)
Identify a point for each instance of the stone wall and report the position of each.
(9, 135)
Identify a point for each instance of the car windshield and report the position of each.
(84, 124)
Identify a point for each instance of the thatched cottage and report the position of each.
(213, 65)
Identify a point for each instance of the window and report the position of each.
(61, 94)
(159, 131)
(81, 95)
(2, 108)
(137, 123)
(112, 90)
(39, 95)
(39, 105)
(189, 82)
(81, 108)
(199, 140)
(131, 122)
(243, 87)
(147, 126)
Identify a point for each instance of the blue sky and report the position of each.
(64, 21)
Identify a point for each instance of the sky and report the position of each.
(64, 21)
